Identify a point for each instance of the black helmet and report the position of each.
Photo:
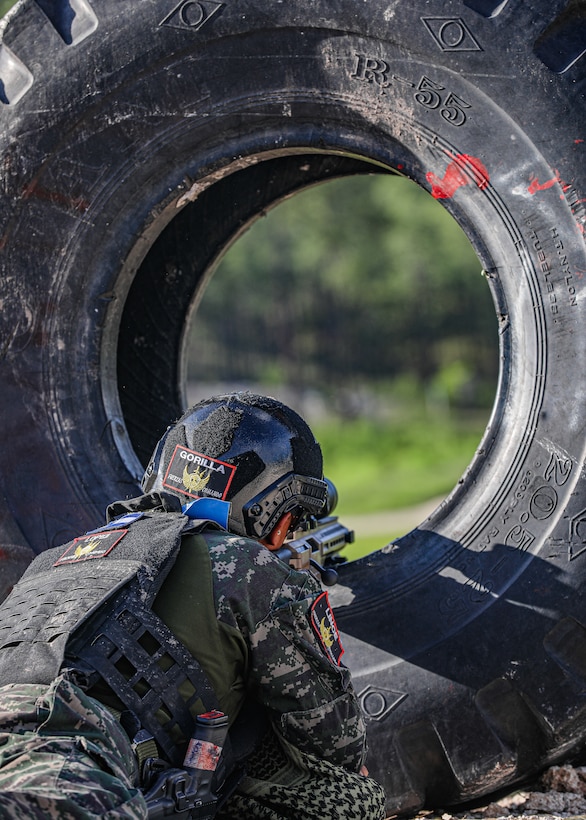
(250, 450)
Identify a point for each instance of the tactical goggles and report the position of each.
(297, 494)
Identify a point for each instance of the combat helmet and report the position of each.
(250, 450)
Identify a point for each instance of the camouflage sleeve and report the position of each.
(294, 666)
(309, 694)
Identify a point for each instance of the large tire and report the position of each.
(138, 139)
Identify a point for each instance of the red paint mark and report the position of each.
(536, 185)
(77, 203)
(462, 170)
(577, 142)
(568, 194)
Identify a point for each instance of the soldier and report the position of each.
(175, 615)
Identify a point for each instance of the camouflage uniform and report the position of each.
(250, 628)
(63, 755)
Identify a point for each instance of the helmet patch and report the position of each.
(196, 475)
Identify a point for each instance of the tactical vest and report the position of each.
(86, 606)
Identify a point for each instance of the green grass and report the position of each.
(5, 5)
(380, 466)
(369, 543)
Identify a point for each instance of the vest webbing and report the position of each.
(94, 616)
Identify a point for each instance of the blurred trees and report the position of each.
(364, 279)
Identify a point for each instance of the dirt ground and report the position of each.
(559, 793)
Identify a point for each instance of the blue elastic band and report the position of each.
(209, 509)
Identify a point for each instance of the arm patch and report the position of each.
(326, 631)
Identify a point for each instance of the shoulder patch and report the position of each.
(93, 545)
(324, 625)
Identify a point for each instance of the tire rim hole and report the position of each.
(268, 322)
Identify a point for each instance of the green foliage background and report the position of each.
(361, 280)
(363, 292)
(5, 5)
